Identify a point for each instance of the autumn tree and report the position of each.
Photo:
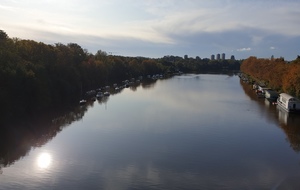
(276, 73)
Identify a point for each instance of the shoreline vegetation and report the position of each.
(36, 78)
(277, 74)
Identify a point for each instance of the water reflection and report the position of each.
(44, 160)
(18, 139)
(190, 132)
(288, 122)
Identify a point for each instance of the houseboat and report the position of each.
(271, 95)
(260, 90)
(288, 103)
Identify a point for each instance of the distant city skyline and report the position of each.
(260, 28)
(222, 56)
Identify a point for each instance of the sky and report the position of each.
(156, 28)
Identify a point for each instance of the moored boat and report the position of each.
(271, 95)
(288, 103)
(82, 102)
(99, 95)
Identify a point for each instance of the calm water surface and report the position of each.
(187, 132)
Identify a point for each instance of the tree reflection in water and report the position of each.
(18, 138)
(288, 122)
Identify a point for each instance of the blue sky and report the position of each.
(155, 28)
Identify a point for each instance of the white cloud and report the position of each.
(244, 49)
(272, 47)
(216, 16)
(163, 17)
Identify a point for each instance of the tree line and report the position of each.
(35, 76)
(276, 73)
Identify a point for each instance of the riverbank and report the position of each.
(278, 74)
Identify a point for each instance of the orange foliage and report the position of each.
(278, 74)
(291, 81)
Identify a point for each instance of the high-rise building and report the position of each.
(212, 57)
(223, 56)
(232, 57)
(218, 56)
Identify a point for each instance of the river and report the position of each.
(204, 131)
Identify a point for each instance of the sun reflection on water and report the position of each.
(44, 160)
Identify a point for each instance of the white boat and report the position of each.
(263, 89)
(288, 103)
(106, 93)
(82, 102)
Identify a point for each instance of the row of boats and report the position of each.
(284, 100)
(98, 96)
(105, 91)
(100, 93)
